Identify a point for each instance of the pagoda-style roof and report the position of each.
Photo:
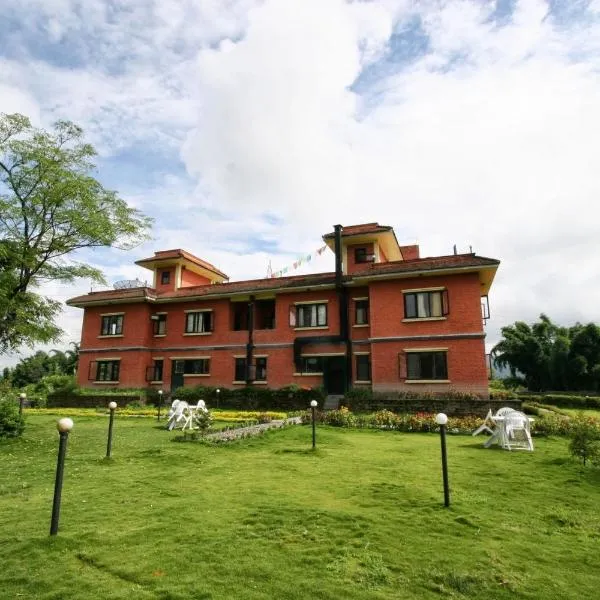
(165, 258)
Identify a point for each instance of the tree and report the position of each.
(50, 207)
(551, 357)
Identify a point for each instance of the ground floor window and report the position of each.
(107, 370)
(312, 365)
(155, 372)
(196, 366)
(258, 371)
(427, 365)
(363, 367)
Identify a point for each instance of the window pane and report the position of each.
(441, 366)
(423, 305)
(436, 304)
(240, 369)
(413, 366)
(363, 371)
(410, 306)
(322, 314)
(261, 369)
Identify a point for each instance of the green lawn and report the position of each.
(268, 518)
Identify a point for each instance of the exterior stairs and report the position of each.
(332, 402)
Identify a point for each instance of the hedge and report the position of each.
(563, 400)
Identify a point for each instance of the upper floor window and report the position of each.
(265, 314)
(199, 321)
(159, 324)
(165, 277)
(311, 315)
(423, 305)
(361, 315)
(112, 325)
(239, 316)
(361, 255)
(427, 365)
(107, 370)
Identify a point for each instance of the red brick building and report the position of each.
(385, 319)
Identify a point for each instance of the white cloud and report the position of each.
(487, 139)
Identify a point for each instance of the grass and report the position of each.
(361, 517)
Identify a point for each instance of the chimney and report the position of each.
(338, 255)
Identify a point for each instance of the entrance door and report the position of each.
(176, 374)
(334, 374)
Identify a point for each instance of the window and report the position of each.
(311, 315)
(361, 256)
(426, 365)
(265, 314)
(240, 369)
(361, 316)
(240, 316)
(312, 365)
(112, 325)
(257, 372)
(155, 372)
(196, 366)
(421, 305)
(159, 326)
(165, 277)
(363, 367)
(198, 322)
(261, 369)
(107, 370)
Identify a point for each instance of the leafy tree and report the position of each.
(585, 439)
(551, 357)
(50, 207)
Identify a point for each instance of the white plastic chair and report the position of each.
(517, 435)
(180, 414)
(191, 412)
(487, 425)
(505, 410)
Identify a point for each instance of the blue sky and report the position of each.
(248, 128)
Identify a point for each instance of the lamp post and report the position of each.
(22, 398)
(64, 426)
(313, 406)
(218, 394)
(112, 405)
(160, 395)
(441, 419)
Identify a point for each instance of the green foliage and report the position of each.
(551, 357)
(203, 421)
(585, 439)
(50, 206)
(11, 423)
(361, 400)
(288, 398)
(564, 400)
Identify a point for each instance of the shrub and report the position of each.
(203, 421)
(11, 423)
(340, 418)
(585, 439)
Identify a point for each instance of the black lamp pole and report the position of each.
(313, 406)
(63, 426)
(160, 395)
(441, 420)
(112, 406)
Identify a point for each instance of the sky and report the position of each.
(248, 128)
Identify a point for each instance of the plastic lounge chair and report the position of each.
(505, 410)
(486, 425)
(517, 435)
(179, 415)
